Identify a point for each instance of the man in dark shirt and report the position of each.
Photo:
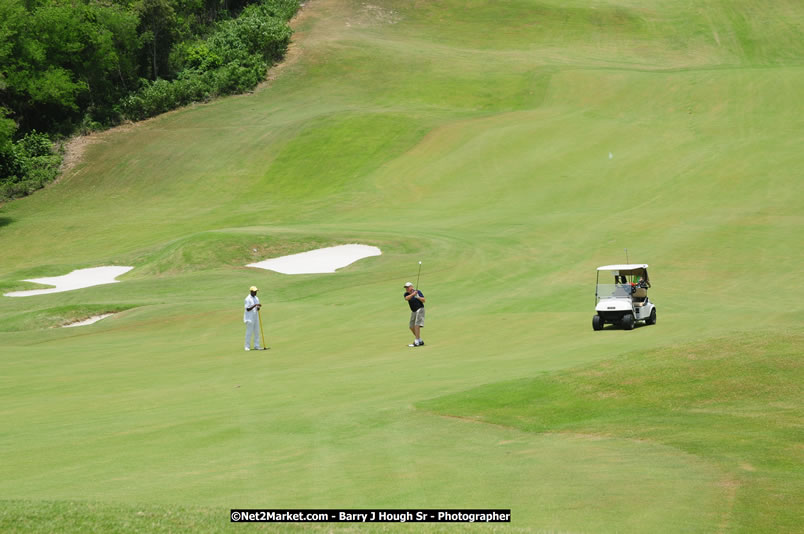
(415, 300)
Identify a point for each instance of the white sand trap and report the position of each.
(91, 320)
(78, 279)
(322, 260)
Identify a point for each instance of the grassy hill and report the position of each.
(512, 147)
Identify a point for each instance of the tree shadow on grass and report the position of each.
(5, 221)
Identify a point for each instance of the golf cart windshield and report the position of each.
(616, 291)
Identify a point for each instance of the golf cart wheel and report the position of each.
(628, 321)
(597, 322)
(652, 318)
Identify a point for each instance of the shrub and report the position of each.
(27, 165)
(35, 145)
(234, 59)
(281, 9)
(254, 32)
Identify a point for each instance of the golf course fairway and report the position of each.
(510, 146)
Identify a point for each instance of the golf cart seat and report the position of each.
(640, 296)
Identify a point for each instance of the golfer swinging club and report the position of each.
(251, 319)
(415, 300)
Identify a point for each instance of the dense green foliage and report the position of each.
(233, 59)
(27, 164)
(84, 65)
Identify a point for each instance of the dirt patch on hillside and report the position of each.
(74, 153)
(75, 148)
(373, 15)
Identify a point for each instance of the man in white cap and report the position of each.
(415, 299)
(251, 319)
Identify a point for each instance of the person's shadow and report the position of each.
(5, 221)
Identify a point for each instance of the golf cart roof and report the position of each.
(628, 268)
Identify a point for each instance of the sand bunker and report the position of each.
(91, 320)
(322, 260)
(78, 279)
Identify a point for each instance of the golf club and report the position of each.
(418, 275)
(262, 335)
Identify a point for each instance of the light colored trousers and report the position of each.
(253, 331)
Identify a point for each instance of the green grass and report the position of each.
(733, 401)
(474, 137)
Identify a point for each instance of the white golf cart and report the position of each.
(621, 297)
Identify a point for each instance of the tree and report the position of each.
(158, 27)
(108, 62)
(7, 159)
